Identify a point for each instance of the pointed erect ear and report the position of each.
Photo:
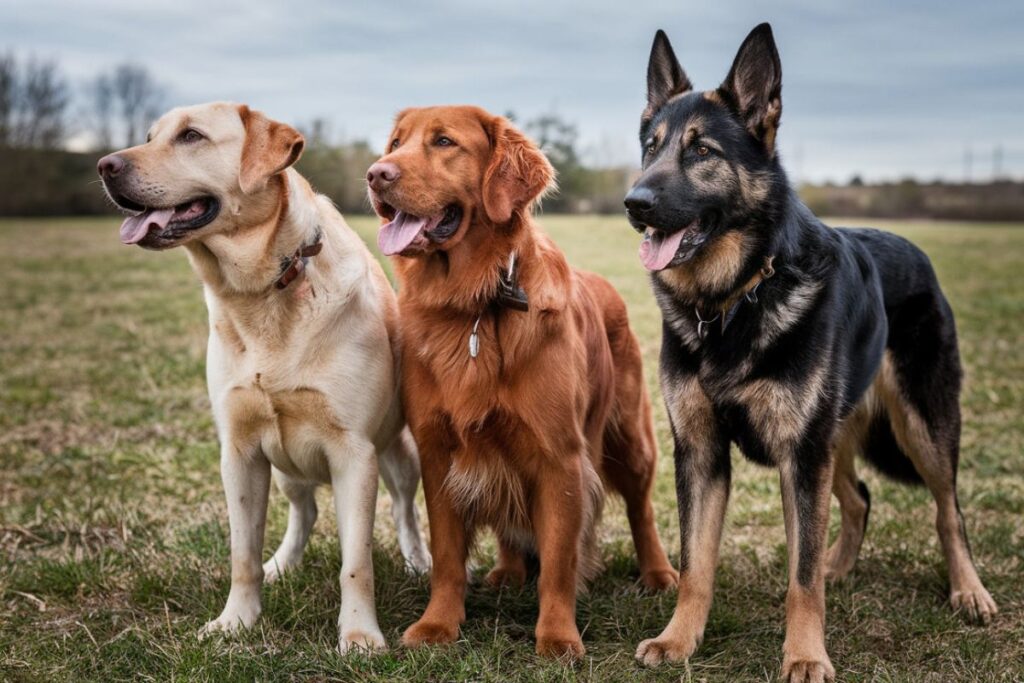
(753, 88)
(517, 175)
(665, 78)
(270, 147)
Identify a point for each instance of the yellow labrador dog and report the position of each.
(301, 362)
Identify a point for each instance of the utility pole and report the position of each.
(968, 161)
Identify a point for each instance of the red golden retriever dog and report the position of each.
(521, 377)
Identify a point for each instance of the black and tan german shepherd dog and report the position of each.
(804, 345)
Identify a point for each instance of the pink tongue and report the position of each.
(658, 251)
(396, 236)
(135, 228)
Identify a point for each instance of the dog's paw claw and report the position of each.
(660, 579)
(808, 671)
(570, 649)
(359, 641)
(976, 604)
(429, 633)
(655, 651)
(227, 624)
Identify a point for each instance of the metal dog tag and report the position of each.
(474, 341)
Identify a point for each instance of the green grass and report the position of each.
(113, 548)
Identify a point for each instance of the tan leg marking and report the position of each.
(685, 630)
(693, 420)
(804, 657)
(967, 593)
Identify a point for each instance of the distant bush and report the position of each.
(50, 183)
(996, 201)
(37, 182)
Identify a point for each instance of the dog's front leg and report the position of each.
(806, 478)
(557, 520)
(354, 483)
(703, 472)
(449, 546)
(246, 475)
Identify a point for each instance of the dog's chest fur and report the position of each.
(752, 375)
(285, 379)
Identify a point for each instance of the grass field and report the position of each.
(113, 531)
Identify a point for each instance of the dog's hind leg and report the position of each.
(853, 497)
(400, 470)
(511, 567)
(934, 449)
(301, 517)
(630, 463)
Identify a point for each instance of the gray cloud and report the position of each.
(882, 89)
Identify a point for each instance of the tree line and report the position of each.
(113, 109)
(40, 111)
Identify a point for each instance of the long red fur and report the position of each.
(520, 438)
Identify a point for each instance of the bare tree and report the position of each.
(139, 100)
(41, 100)
(100, 106)
(8, 98)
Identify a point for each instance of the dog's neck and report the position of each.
(247, 261)
(467, 277)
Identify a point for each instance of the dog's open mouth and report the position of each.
(660, 249)
(407, 234)
(166, 225)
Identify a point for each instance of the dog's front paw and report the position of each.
(229, 622)
(361, 641)
(570, 649)
(655, 651)
(663, 579)
(975, 602)
(430, 633)
(807, 671)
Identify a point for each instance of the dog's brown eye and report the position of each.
(394, 145)
(703, 151)
(444, 141)
(190, 135)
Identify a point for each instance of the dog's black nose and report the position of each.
(382, 174)
(640, 200)
(110, 165)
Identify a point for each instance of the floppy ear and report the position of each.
(665, 78)
(753, 87)
(517, 174)
(269, 148)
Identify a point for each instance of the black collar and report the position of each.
(510, 295)
(728, 311)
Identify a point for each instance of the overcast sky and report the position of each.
(883, 89)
